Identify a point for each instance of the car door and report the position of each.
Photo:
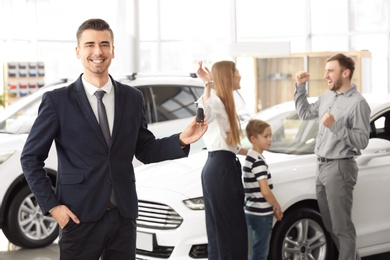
(175, 101)
(370, 210)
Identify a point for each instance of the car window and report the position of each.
(150, 110)
(295, 136)
(380, 127)
(289, 133)
(175, 102)
(21, 121)
(162, 103)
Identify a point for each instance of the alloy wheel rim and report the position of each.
(32, 222)
(305, 240)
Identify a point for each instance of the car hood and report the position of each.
(180, 175)
(12, 141)
(184, 175)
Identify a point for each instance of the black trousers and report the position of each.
(111, 238)
(224, 196)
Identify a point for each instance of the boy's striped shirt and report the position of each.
(255, 168)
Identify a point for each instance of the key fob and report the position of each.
(199, 115)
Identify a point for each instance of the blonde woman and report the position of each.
(221, 175)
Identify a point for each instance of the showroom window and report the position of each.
(308, 25)
(175, 34)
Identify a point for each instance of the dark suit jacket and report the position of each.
(87, 167)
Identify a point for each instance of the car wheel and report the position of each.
(26, 226)
(301, 235)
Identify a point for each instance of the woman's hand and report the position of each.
(204, 73)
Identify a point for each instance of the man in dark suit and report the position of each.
(95, 202)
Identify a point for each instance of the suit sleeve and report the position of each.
(35, 152)
(150, 149)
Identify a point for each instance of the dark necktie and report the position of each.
(103, 115)
(104, 125)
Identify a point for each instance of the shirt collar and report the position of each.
(349, 92)
(91, 89)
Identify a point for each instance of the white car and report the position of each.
(171, 223)
(169, 106)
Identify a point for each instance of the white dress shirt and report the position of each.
(218, 124)
(108, 100)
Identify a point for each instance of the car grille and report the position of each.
(199, 251)
(196, 252)
(157, 216)
(158, 252)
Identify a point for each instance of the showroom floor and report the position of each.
(51, 252)
(9, 252)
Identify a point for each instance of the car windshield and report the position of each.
(290, 134)
(21, 121)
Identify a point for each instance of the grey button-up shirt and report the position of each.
(351, 129)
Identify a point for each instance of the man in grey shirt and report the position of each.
(344, 130)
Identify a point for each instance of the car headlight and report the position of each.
(195, 203)
(4, 155)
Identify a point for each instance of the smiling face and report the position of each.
(336, 76)
(236, 80)
(95, 50)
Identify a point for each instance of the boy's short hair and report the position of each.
(255, 127)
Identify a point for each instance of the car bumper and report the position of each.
(167, 229)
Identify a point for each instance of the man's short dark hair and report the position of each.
(345, 62)
(94, 24)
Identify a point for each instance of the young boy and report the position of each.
(260, 203)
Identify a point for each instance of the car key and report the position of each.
(199, 115)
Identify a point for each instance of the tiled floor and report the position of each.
(47, 253)
(9, 252)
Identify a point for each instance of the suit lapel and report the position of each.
(119, 103)
(81, 98)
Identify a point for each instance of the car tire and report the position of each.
(301, 235)
(26, 226)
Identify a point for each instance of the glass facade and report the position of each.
(308, 25)
(173, 35)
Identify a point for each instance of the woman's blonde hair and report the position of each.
(223, 73)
